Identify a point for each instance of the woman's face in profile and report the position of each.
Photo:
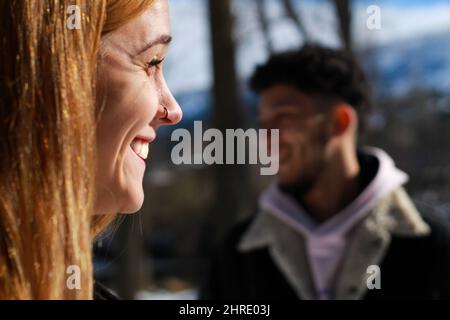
(135, 103)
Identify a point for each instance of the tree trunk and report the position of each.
(131, 277)
(231, 180)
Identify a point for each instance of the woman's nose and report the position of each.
(169, 112)
(174, 112)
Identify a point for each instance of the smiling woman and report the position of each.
(78, 111)
(135, 102)
(132, 98)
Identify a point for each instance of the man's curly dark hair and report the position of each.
(320, 72)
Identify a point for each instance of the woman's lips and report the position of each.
(140, 147)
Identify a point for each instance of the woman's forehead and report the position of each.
(151, 26)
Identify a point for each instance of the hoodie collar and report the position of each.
(287, 209)
(404, 220)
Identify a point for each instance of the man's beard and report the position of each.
(298, 187)
(304, 182)
(308, 177)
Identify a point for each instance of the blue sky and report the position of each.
(402, 21)
(403, 2)
(393, 2)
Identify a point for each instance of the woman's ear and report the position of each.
(344, 119)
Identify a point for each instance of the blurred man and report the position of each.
(337, 223)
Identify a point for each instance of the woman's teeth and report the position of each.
(140, 147)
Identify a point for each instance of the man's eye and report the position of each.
(154, 63)
(284, 117)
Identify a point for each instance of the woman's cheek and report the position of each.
(147, 105)
(123, 117)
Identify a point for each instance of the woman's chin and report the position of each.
(134, 203)
(124, 196)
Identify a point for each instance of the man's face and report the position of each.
(303, 134)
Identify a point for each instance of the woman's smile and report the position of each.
(140, 146)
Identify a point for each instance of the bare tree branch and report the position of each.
(295, 17)
(264, 24)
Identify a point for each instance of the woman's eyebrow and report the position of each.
(163, 39)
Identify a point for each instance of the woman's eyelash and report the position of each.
(154, 63)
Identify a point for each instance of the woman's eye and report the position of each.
(154, 63)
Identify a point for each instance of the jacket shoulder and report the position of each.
(436, 219)
(229, 243)
(103, 293)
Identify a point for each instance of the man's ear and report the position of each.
(344, 119)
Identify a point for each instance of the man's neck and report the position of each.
(337, 187)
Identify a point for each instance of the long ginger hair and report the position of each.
(48, 118)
